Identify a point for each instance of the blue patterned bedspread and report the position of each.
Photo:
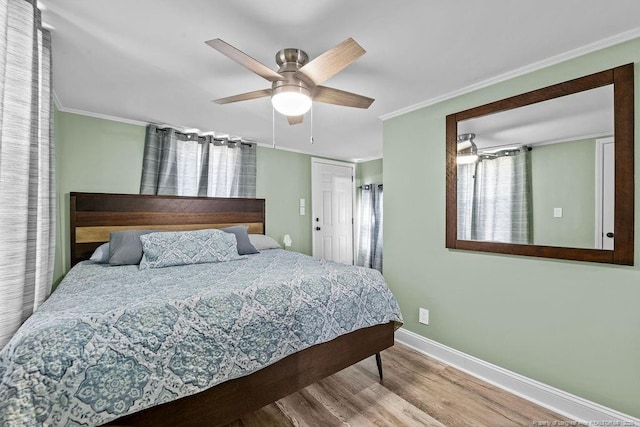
(114, 340)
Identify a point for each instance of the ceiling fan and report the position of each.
(298, 81)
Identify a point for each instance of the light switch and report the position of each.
(302, 203)
(302, 212)
(423, 316)
(557, 212)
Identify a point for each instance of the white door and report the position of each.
(332, 188)
(605, 193)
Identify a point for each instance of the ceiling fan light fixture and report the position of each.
(291, 100)
(297, 79)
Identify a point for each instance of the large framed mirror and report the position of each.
(548, 173)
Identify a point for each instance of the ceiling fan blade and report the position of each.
(244, 96)
(329, 95)
(245, 60)
(330, 63)
(295, 120)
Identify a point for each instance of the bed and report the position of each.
(116, 311)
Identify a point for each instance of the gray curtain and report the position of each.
(176, 163)
(27, 189)
(494, 199)
(465, 189)
(370, 227)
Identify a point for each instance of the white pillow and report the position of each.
(262, 242)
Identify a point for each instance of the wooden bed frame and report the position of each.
(94, 215)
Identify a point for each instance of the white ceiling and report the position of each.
(583, 115)
(146, 60)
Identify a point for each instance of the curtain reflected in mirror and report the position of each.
(494, 198)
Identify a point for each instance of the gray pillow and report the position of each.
(244, 244)
(101, 254)
(125, 247)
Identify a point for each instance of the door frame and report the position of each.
(600, 142)
(314, 161)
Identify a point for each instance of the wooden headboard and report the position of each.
(94, 215)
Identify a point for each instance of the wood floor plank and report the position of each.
(447, 402)
(372, 405)
(339, 400)
(417, 391)
(450, 398)
(270, 415)
(302, 408)
(510, 405)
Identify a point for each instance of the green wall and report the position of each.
(563, 176)
(93, 155)
(98, 155)
(572, 325)
(369, 172)
(283, 178)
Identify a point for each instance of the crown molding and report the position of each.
(100, 116)
(367, 159)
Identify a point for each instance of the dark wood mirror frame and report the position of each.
(623, 87)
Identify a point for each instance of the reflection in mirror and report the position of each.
(528, 175)
(547, 173)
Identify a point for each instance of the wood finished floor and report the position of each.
(417, 391)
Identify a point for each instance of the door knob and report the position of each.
(317, 228)
(610, 235)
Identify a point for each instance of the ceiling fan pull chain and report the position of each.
(311, 137)
(273, 126)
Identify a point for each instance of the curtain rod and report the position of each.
(366, 185)
(503, 153)
(484, 149)
(204, 138)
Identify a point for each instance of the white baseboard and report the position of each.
(561, 402)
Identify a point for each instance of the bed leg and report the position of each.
(379, 363)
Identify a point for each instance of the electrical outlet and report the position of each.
(423, 316)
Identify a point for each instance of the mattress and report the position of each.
(114, 340)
